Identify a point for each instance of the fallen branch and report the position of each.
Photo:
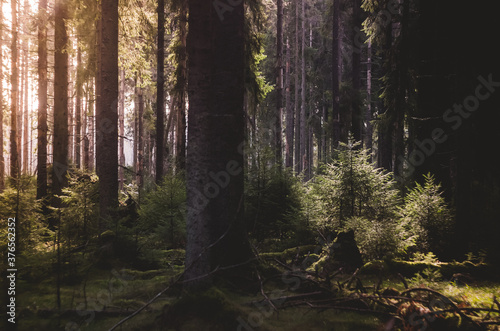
(264, 293)
(447, 300)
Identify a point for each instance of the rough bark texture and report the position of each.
(215, 230)
(160, 83)
(356, 71)
(60, 143)
(42, 102)
(107, 112)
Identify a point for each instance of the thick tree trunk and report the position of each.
(14, 156)
(216, 236)
(42, 101)
(336, 75)
(60, 140)
(279, 84)
(160, 83)
(107, 110)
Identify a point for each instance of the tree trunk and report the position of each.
(289, 112)
(216, 236)
(279, 83)
(91, 127)
(160, 83)
(298, 161)
(136, 123)
(401, 104)
(140, 139)
(60, 140)
(356, 72)
(86, 131)
(107, 111)
(368, 132)
(42, 101)
(25, 92)
(78, 108)
(181, 90)
(303, 122)
(14, 156)
(121, 119)
(336, 75)
(384, 126)
(2, 159)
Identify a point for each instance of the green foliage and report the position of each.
(79, 214)
(426, 216)
(18, 200)
(430, 258)
(352, 187)
(353, 194)
(162, 214)
(275, 208)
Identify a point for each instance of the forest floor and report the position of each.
(284, 300)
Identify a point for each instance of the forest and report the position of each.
(249, 165)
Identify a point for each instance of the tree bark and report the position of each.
(160, 98)
(401, 104)
(25, 92)
(42, 101)
(181, 91)
(60, 138)
(336, 75)
(121, 119)
(368, 131)
(14, 156)
(298, 161)
(140, 138)
(78, 108)
(2, 159)
(216, 236)
(303, 122)
(107, 112)
(289, 112)
(279, 84)
(356, 72)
